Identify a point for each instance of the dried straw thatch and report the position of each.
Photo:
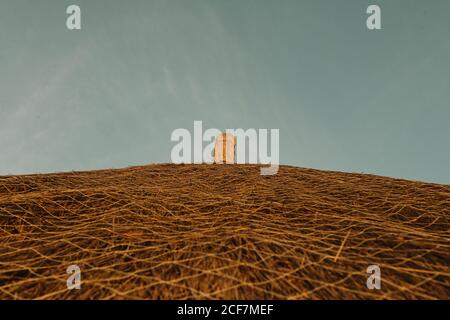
(215, 231)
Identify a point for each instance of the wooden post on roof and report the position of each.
(225, 149)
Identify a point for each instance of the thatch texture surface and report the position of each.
(222, 232)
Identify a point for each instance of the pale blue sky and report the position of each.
(344, 98)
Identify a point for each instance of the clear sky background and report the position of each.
(344, 98)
